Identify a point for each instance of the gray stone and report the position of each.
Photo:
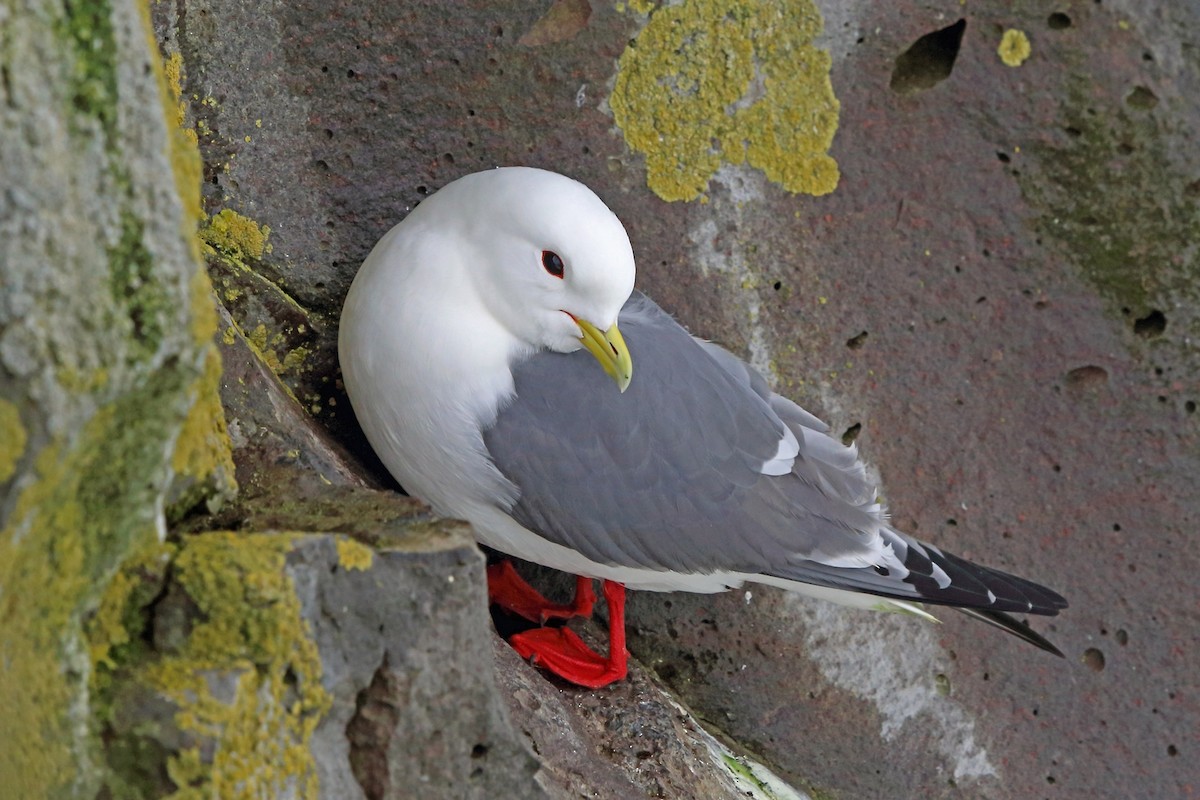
(406, 656)
(105, 322)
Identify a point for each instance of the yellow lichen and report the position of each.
(295, 358)
(249, 627)
(354, 555)
(203, 451)
(173, 73)
(729, 81)
(90, 495)
(188, 171)
(258, 337)
(1014, 47)
(85, 506)
(108, 628)
(12, 439)
(236, 236)
(203, 307)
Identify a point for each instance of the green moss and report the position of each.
(729, 81)
(203, 458)
(86, 27)
(138, 290)
(249, 624)
(91, 495)
(114, 631)
(1107, 192)
(12, 439)
(90, 502)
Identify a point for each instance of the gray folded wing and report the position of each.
(669, 475)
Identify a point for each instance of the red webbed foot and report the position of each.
(511, 592)
(562, 652)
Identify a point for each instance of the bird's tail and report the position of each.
(1012, 625)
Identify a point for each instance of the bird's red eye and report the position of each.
(552, 263)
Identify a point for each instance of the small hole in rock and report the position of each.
(1151, 325)
(1058, 21)
(1142, 98)
(1093, 659)
(1090, 375)
(857, 341)
(778, 285)
(1072, 131)
(929, 60)
(1172, 750)
(851, 434)
(479, 751)
(1190, 406)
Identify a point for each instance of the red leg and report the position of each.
(511, 592)
(563, 653)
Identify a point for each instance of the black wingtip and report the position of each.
(1014, 626)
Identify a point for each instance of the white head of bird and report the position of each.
(491, 268)
(541, 250)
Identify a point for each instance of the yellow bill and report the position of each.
(610, 350)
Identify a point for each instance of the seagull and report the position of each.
(487, 347)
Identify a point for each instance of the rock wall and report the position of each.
(962, 233)
(105, 328)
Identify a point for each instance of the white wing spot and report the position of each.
(785, 456)
(939, 575)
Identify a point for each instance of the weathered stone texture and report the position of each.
(998, 301)
(105, 321)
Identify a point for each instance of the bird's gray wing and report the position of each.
(669, 475)
(665, 476)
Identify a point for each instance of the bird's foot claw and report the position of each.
(512, 593)
(562, 652)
